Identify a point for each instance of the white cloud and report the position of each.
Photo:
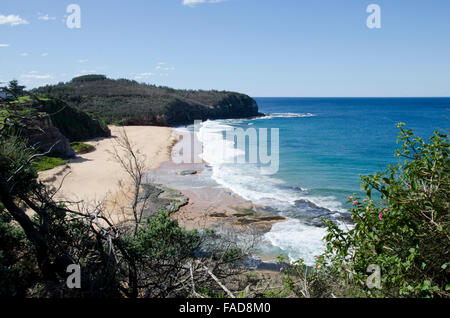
(83, 61)
(145, 75)
(162, 66)
(12, 20)
(44, 54)
(24, 54)
(4, 45)
(88, 71)
(171, 68)
(33, 75)
(45, 17)
(192, 3)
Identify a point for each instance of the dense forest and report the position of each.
(128, 102)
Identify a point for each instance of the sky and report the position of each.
(287, 48)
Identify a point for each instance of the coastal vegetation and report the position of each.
(400, 227)
(401, 231)
(127, 102)
(48, 124)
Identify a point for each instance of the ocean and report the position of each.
(325, 144)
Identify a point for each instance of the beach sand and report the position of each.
(95, 176)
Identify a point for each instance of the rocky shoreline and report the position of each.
(164, 198)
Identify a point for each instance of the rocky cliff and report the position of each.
(74, 124)
(45, 137)
(50, 125)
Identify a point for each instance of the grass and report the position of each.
(47, 163)
(23, 99)
(81, 147)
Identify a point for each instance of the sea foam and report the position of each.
(285, 115)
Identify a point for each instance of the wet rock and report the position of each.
(188, 172)
(218, 215)
(313, 214)
(160, 198)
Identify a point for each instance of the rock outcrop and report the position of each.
(45, 137)
(73, 123)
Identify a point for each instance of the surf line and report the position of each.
(254, 142)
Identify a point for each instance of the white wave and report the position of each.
(297, 240)
(216, 149)
(253, 186)
(285, 115)
(330, 202)
(264, 190)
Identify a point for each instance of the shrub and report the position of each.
(18, 268)
(81, 147)
(406, 230)
(160, 239)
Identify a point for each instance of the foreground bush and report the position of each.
(402, 225)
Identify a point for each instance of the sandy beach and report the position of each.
(210, 205)
(95, 176)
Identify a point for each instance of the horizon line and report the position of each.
(349, 96)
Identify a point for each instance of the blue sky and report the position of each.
(258, 47)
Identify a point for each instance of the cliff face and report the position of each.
(131, 103)
(232, 106)
(73, 123)
(44, 136)
(53, 124)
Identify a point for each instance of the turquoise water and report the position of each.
(324, 146)
(346, 137)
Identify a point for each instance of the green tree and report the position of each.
(15, 89)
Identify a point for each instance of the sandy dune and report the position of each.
(95, 176)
